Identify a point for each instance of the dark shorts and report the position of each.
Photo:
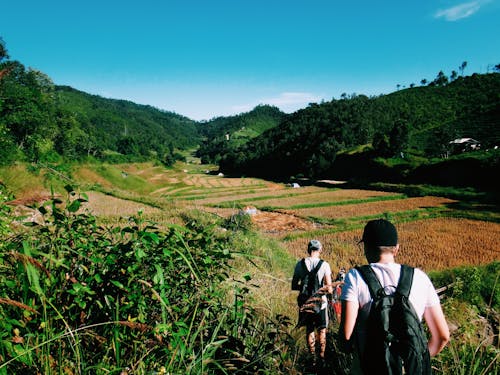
(314, 321)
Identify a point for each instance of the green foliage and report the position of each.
(420, 120)
(46, 122)
(239, 221)
(479, 285)
(74, 294)
(224, 134)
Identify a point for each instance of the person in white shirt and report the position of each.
(319, 321)
(380, 240)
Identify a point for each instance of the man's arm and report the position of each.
(440, 333)
(347, 322)
(327, 281)
(348, 318)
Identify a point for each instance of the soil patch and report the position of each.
(274, 222)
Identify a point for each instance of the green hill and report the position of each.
(43, 122)
(416, 123)
(223, 134)
(113, 121)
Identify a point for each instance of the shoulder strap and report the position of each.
(405, 280)
(303, 262)
(371, 280)
(315, 269)
(318, 266)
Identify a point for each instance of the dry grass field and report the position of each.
(431, 244)
(371, 208)
(322, 196)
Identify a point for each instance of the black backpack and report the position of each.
(309, 283)
(395, 338)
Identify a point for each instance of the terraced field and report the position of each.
(433, 233)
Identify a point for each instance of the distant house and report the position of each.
(464, 144)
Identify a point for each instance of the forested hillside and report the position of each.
(43, 122)
(126, 127)
(418, 122)
(223, 134)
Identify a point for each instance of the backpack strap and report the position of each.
(318, 266)
(371, 280)
(315, 269)
(405, 280)
(303, 262)
(404, 285)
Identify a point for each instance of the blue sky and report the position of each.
(209, 58)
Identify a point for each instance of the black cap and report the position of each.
(380, 232)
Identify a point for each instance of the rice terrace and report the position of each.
(437, 233)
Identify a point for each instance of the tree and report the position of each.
(399, 137)
(381, 144)
(423, 82)
(496, 68)
(453, 75)
(3, 55)
(3, 50)
(441, 79)
(462, 67)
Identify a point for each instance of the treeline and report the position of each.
(415, 124)
(43, 122)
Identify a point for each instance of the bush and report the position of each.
(130, 298)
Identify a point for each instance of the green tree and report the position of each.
(381, 144)
(462, 67)
(399, 137)
(441, 79)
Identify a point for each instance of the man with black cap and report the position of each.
(312, 321)
(380, 241)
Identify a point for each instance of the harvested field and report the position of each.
(243, 198)
(105, 205)
(324, 197)
(371, 208)
(433, 244)
(216, 181)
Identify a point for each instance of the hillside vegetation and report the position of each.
(414, 125)
(141, 269)
(224, 134)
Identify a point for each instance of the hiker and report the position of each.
(380, 241)
(341, 275)
(313, 320)
(337, 292)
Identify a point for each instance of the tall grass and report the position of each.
(102, 300)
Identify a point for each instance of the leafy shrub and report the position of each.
(478, 285)
(94, 299)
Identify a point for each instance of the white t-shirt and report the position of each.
(311, 263)
(355, 289)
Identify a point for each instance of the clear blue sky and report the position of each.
(210, 58)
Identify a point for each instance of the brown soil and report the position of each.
(274, 222)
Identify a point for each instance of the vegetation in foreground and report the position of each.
(79, 297)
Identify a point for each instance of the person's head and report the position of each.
(380, 237)
(314, 245)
